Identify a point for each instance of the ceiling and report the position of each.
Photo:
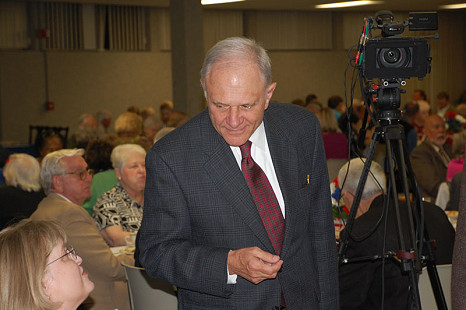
(307, 5)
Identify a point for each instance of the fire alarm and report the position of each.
(42, 33)
(49, 106)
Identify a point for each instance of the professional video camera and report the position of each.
(393, 57)
(390, 60)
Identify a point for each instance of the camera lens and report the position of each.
(392, 55)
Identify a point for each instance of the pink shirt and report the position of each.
(336, 145)
(454, 166)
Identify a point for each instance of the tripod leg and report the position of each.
(430, 261)
(406, 263)
(357, 198)
(436, 286)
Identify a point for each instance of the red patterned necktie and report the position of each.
(264, 197)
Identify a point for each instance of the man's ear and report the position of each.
(348, 198)
(204, 90)
(57, 182)
(269, 93)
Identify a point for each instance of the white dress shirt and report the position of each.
(260, 153)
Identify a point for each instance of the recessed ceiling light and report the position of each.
(453, 6)
(345, 4)
(207, 2)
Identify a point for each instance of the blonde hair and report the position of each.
(22, 171)
(166, 104)
(328, 120)
(459, 144)
(129, 123)
(24, 251)
(424, 106)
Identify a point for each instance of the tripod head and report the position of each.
(387, 100)
(384, 100)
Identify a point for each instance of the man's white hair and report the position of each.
(52, 165)
(22, 171)
(237, 47)
(375, 183)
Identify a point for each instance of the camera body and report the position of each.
(396, 57)
(391, 57)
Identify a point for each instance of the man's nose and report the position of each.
(234, 116)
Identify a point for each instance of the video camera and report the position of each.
(391, 57)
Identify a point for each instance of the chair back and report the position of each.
(37, 131)
(425, 288)
(148, 293)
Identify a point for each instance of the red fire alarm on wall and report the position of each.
(42, 33)
(49, 106)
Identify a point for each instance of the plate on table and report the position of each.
(119, 250)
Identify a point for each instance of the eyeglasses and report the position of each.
(69, 250)
(82, 174)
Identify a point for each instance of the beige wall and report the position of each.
(86, 81)
(79, 82)
(300, 73)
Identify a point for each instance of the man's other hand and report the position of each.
(254, 264)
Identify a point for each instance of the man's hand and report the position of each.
(253, 264)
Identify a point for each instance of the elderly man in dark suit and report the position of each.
(361, 285)
(205, 227)
(430, 159)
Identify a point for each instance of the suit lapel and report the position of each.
(437, 154)
(223, 169)
(285, 162)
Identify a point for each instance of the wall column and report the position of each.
(187, 50)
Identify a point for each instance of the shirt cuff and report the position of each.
(231, 277)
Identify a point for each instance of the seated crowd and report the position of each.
(78, 200)
(73, 204)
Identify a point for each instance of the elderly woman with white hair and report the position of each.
(19, 199)
(118, 212)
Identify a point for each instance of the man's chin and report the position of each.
(440, 142)
(236, 141)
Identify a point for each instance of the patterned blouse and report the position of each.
(116, 207)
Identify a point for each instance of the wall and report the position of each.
(79, 82)
(300, 73)
(87, 81)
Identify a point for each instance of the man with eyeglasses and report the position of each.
(66, 180)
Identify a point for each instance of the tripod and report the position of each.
(411, 259)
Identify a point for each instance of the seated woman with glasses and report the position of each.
(118, 212)
(38, 270)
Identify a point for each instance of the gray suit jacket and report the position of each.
(103, 267)
(198, 207)
(429, 169)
